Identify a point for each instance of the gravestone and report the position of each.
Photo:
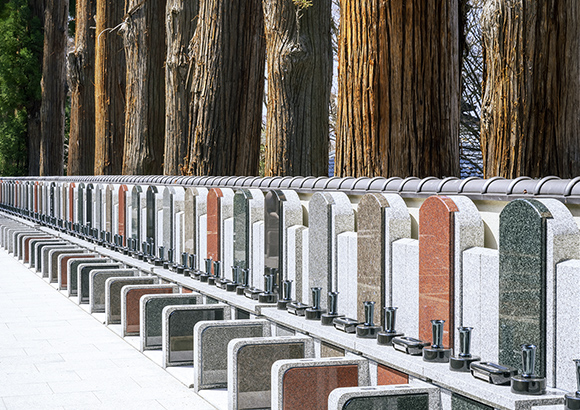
(151, 220)
(83, 278)
(36, 256)
(46, 260)
(329, 214)
(293, 386)
(136, 193)
(381, 220)
(72, 272)
(62, 275)
(80, 203)
(113, 287)
(248, 211)
(54, 258)
(210, 340)
(405, 285)
(177, 329)
(151, 307)
(130, 304)
(250, 363)
(220, 210)
(122, 229)
(195, 220)
(97, 290)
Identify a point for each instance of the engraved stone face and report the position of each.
(97, 279)
(133, 316)
(402, 402)
(83, 276)
(114, 292)
(153, 316)
(72, 272)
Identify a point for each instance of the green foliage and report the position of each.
(20, 74)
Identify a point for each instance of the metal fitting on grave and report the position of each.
(269, 296)
(436, 352)
(462, 362)
(327, 319)
(572, 400)
(232, 286)
(368, 330)
(528, 383)
(205, 275)
(492, 372)
(385, 338)
(314, 312)
(286, 295)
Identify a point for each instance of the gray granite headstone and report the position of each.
(38, 251)
(83, 278)
(151, 315)
(55, 259)
(248, 210)
(97, 279)
(113, 288)
(329, 214)
(136, 193)
(46, 264)
(168, 218)
(194, 214)
(72, 272)
(210, 340)
(522, 281)
(32, 248)
(80, 203)
(178, 323)
(459, 402)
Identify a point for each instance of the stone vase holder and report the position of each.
(368, 330)
(243, 278)
(181, 267)
(462, 362)
(327, 319)
(232, 286)
(385, 338)
(528, 383)
(168, 264)
(193, 272)
(220, 280)
(436, 353)
(253, 292)
(211, 280)
(286, 295)
(160, 256)
(268, 296)
(572, 400)
(314, 312)
(298, 308)
(205, 275)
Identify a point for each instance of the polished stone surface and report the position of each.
(113, 287)
(72, 272)
(83, 277)
(210, 340)
(387, 376)
(178, 324)
(248, 210)
(151, 307)
(36, 250)
(459, 402)
(522, 281)
(130, 305)
(195, 208)
(97, 289)
(294, 389)
(250, 363)
(406, 285)
(42, 262)
(381, 220)
(329, 214)
(54, 261)
(62, 276)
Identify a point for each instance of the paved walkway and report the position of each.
(54, 355)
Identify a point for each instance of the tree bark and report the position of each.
(227, 88)
(53, 85)
(399, 89)
(181, 21)
(81, 145)
(144, 38)
(109, 89)
(531, 102)
(299, 59)
(33, 123)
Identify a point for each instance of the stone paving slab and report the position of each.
(54, 355)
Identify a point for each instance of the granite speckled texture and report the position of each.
(210, 340)
(29, 248)
(97, 279)
(387, 376)
(436, 266)
(113, 287)
(295, 262)
(328, 350)
(562, 243)
(42, 255)
(329, 214)
(72, 272)
(46, 261)
(406, 285)
(381, 220)
(459, 402)
(54, 257)
(293, 387)
(136, 193)
(347, 244)
(214, 197)
(248, 210)
(83, 278)
(522, 281)
(122, 226)
(130, 305)
(62, 276)
(195, 208)
(36, 251)
(250, 363)
(414, 396)
(178, 323)
(151, 308)
(23, 250)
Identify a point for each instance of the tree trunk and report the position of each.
(530, 113)
(81, 144)
(181, 21)
(53, 87)
(227, 88)
(144, 37)
(299, 82)
(109, 90)
(33, 125)
(399, 89)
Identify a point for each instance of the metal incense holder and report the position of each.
(528, 383)
(204, 276)
(492, 372)
(436, 353)
(368, 330)
(385, 338)
(409, 345)
(327, 319)
(286, 295)
(314, 312)
(462, 362)
(268, 296)
(572, 400)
